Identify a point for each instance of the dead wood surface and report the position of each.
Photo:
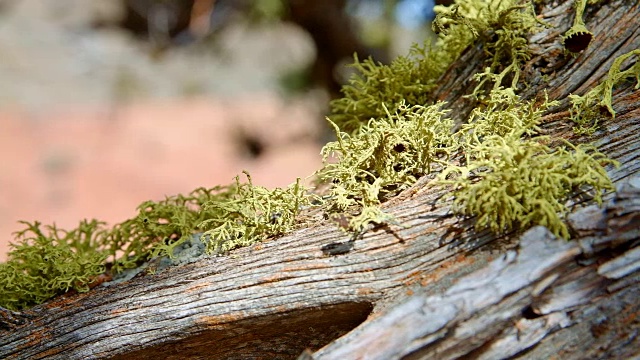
(547, 298)
(430, 288)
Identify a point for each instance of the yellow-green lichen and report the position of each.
(501, 26)
(513, 183)
(390, 133)
(408, 80)
(585, 110)
(48, 261)
(509, 178)
(235, 215)
(160, 226)
(383, 157)
(45, 263)
(504, 29)
(251, 214)
(501, 113)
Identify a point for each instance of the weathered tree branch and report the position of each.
(547, 295)
(432, 287)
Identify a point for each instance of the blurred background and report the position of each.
(106, 104)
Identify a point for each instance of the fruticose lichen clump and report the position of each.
(502, 112)
(501, 26)
(509, 178)
(504, 31)
(384, 157)
(513, 183)
(50, 261)
(379, 154)
(251, 214)
(235, 215)
(585, 110)
(44, 264)
(160, 226)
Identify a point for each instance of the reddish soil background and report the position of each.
(70, 164)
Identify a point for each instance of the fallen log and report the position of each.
(430, 286)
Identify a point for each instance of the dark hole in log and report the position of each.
(529, 314)
(278, 336)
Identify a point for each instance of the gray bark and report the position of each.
(428, 287)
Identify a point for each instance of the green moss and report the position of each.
(585, 110)
(50, 261)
